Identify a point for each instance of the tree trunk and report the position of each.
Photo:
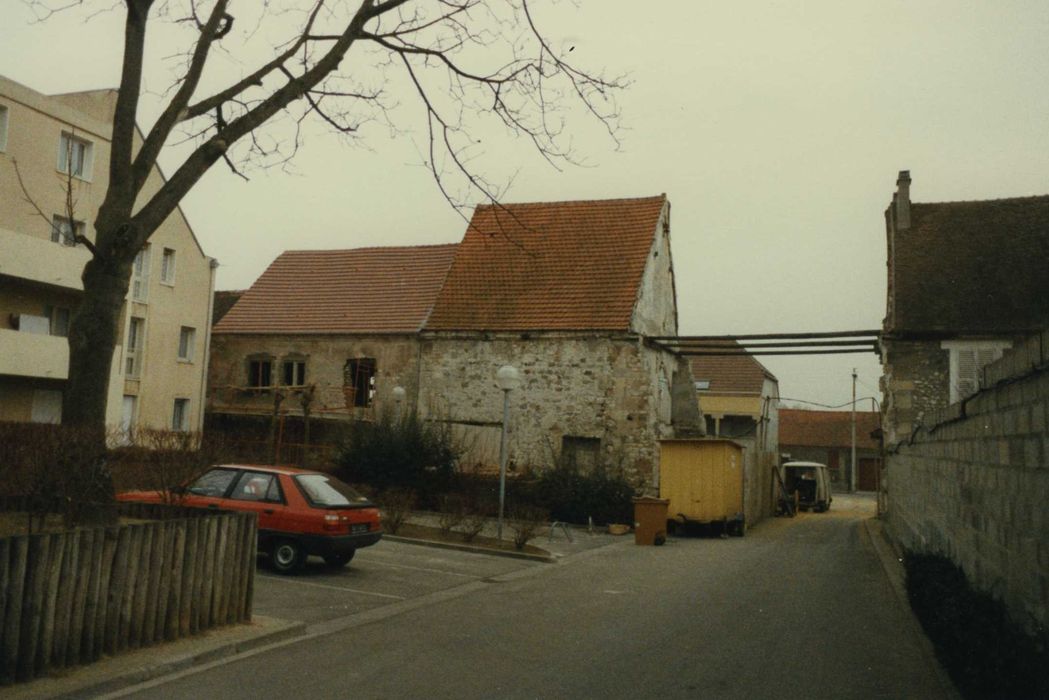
(92, 338)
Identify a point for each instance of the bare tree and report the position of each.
(466, 61)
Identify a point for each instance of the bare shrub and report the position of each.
(452, 512)
(164, 461)
(472, 524)
(525, 523)
(396, 505)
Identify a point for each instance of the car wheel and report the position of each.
(337, 560)
(287, 556)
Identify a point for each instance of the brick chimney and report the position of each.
(902, 200)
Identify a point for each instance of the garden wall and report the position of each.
(166, 572)
(972, 483)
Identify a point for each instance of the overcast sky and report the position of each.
(776, 128)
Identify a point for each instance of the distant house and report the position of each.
(740, 401)
(966, 280)
(826, 437)
(566, 292)
(61, 143)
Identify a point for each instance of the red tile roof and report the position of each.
(730, 374)
(365, 290)
(973, 266)
(800, 428)
(549, 266)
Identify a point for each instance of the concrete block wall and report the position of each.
(973, 483)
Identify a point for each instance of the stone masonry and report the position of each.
(972, 483)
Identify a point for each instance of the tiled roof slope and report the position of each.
(800, 428)
(223, 302)
(364, 290)
(549, 266)
(974, 266)
(730, 374)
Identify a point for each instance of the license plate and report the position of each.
(359, 528)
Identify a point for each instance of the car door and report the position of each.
(259, 492)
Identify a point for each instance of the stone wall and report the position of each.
(610, 388)
(972, 483)
(915, 381)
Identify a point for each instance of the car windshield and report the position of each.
(325, 491)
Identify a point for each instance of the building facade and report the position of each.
(826, 437)
(54, 152)
(565, 292)
(966, 281)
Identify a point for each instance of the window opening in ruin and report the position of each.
(581, 453)
(293, 372)
(358, 381)
(260, 372)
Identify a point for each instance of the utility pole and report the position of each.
(852, 472)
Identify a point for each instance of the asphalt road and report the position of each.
(798, 608)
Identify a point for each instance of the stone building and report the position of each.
(826, 437)
(566, 292)
(61, 144)
(966, 280)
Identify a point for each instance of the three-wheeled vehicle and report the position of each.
(811, 482)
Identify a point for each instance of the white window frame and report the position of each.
(135, 347)
(187, 337)
(65, 230)
(65, 150)
(180, 415)
(167, 266)
(59, 316)
(140, 276)
(5, 117)
(298, 371)
(964, 387)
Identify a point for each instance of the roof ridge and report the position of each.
(421, 246)
(1023, 198)
(656, 197)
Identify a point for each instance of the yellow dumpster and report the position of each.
(703, 481)
(650, 520)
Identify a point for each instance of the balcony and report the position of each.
(40, 260)
(33, 355)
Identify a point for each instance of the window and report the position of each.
(180, 415)
(358, 381)
(702, 384)
(59, 318)
(140, 275)
(582, 453)
(74, 156)
(65, 231)
(3, 128)
(185, 343)
(966, 361)
(294, 372)
(167, 266)
(136, 331)
(259, 372)
(214, 483)
(256, 486)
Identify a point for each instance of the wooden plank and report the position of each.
(138, 603)
(172, 587)
(6, 545)
(98, 595)
(32, 605)
(207, 580)
(47, 630)
(83, 583)
(117, 584)
(156, 559)
(18, 553)
(134, 565)
(189, 578)
(220, 599)
(235, 604)
(249, 569)
(66, 595)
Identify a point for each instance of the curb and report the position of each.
(115, 673)
(891, 563)
(474, 549)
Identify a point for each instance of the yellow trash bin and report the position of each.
(650, 520)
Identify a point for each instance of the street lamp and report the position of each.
(507, 378)
(398, 397)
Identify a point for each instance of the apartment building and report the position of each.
(54, 151)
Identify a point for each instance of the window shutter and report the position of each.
(968, 372)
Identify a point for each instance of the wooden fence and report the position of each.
(69, 597)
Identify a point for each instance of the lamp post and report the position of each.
(506, 378)
(398, 397)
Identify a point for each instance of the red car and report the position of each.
(300, 512)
